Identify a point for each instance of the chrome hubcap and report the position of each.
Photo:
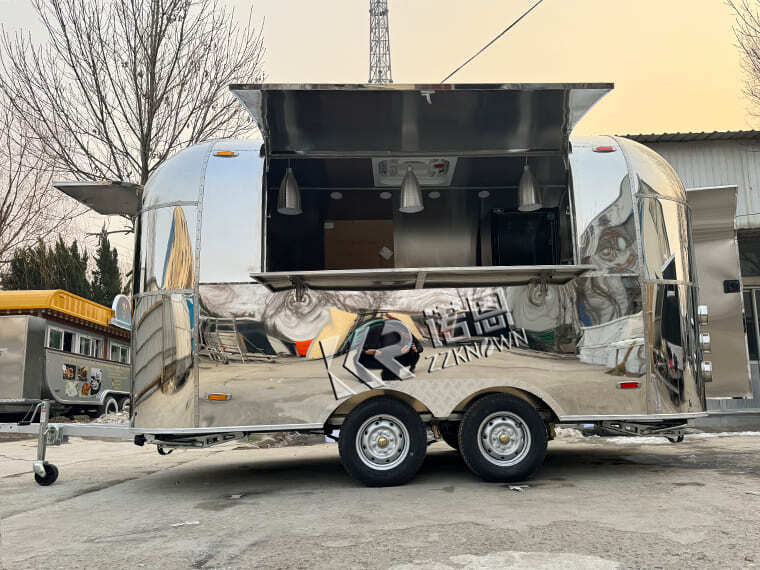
(382, 442)
(504, 438)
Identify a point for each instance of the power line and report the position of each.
(485, 47)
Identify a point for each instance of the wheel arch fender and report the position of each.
(547, 412)
(345, 407)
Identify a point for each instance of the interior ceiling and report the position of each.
(469, 172)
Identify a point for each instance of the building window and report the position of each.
(60, 339)
(119, 353)
(750, 320)
(55, 339)
(749, 253)
(90, 346)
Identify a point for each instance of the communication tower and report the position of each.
(379, 43)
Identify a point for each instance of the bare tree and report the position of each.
(747, 33)
(30, 208)
(123, 84)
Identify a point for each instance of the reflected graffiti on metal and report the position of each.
(389, 346)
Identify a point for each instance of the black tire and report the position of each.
(450, 433)
(110, 405)
(51, 475)
(126, 404)
(513, 418)
(393, 419)
(675, 439)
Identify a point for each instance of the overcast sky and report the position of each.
(674, 63)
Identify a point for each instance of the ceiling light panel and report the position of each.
(430, 171)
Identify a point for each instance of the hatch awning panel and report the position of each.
(109, 197)
(378, 120)
(419, 278)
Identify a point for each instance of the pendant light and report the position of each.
(411, 195)
(528, 191)
(289, 196)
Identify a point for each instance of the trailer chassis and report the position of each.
(53, 434)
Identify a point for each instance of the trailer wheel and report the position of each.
(382, 442)
(110, 405)
(502, 438)
(450, 433)
(51, 475)
(126, 404)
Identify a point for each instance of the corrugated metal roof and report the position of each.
(687, 137)
(710, 162)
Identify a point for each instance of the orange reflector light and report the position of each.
(226, 153)
(604, 149)
(219, 397)
(628, 384)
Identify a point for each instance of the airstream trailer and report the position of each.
(60, 347)
(403, 263)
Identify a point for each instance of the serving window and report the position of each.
(364, 213)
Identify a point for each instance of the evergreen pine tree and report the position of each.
(106, 279)
(68, 269)
(42, 267)
(27, 268)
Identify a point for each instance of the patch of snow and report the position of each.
(115, 418)
(515, 560)
(636, 440)
(574, 435)
(705, 435)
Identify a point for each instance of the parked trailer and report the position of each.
(417, 262)
(57, 346)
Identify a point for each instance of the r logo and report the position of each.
(379, 344)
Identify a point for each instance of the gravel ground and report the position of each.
(597, 503)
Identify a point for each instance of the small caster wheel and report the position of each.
(162, 451)
(675, 439)
(51, 475)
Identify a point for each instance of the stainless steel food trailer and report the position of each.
(415, 262)
(57, 346)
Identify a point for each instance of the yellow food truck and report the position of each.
(57, 346)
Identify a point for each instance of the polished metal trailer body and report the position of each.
(582, 306)
(576, 330)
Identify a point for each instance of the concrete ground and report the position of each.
(597, 503)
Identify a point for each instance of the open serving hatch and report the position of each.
(416, 186)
